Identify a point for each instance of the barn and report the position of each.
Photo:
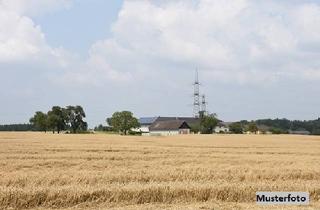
(169, 127)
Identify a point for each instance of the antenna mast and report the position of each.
(196, 96)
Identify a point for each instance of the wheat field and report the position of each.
(100, 171)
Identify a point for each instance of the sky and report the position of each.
(256, 59)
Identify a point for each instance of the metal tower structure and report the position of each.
(204, 104)
(196, 96)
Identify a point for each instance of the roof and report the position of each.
(188, 120)
(169, 125)
(147, 120)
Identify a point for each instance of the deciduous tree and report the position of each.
(236, 128)
(252, 127)
(40, 121)
(57, 119)
(208, 123)
(75, 116)
(123, 121)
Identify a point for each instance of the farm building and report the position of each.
(145, 123)
(169, 127)
(222, 127)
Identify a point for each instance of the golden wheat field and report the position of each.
(99, 171)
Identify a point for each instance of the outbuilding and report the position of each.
(169, 127)
(222, 127)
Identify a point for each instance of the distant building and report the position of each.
(169, 127)
(145, 123)
(222, 127)
(300, 132)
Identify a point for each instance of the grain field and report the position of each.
(99, 171)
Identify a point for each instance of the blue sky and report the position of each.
(256, 59)
(80, 25)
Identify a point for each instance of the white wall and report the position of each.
(164, 133)
(143, 128)
(219, 129)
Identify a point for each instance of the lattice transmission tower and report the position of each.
(196, 96)
(203, 105)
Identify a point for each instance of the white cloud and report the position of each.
(230, 41)
(20, 38)
(33, 7)
(244, 41)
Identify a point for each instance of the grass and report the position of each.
(43, 171)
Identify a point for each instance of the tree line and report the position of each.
(71, 118)
(59, 119)
(17, 127)
(277, 126)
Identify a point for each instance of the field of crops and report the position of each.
(93, 171)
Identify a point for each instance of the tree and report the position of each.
(40, 121)
(123, 121)
(236, 128)
(195, 128)
(57, 119)
(252, 127)
(208, 123)
(75, 115)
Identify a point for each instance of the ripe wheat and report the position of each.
(40, 170)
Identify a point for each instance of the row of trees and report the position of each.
(276, 126)
(16, 127)
(285, 125)
(241, 127)
(58, 119)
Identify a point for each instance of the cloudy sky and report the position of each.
(256, 58)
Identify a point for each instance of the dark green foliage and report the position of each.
(103, 128)
(252, 127)
(195, 128)
(123, 122)
(284, 126)
(236, 128)
(134, 133)
(75, 116)
(208, 123)
(60, 119)
(17, 127)
(277, 131)
(57, 119)
(40, 121)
